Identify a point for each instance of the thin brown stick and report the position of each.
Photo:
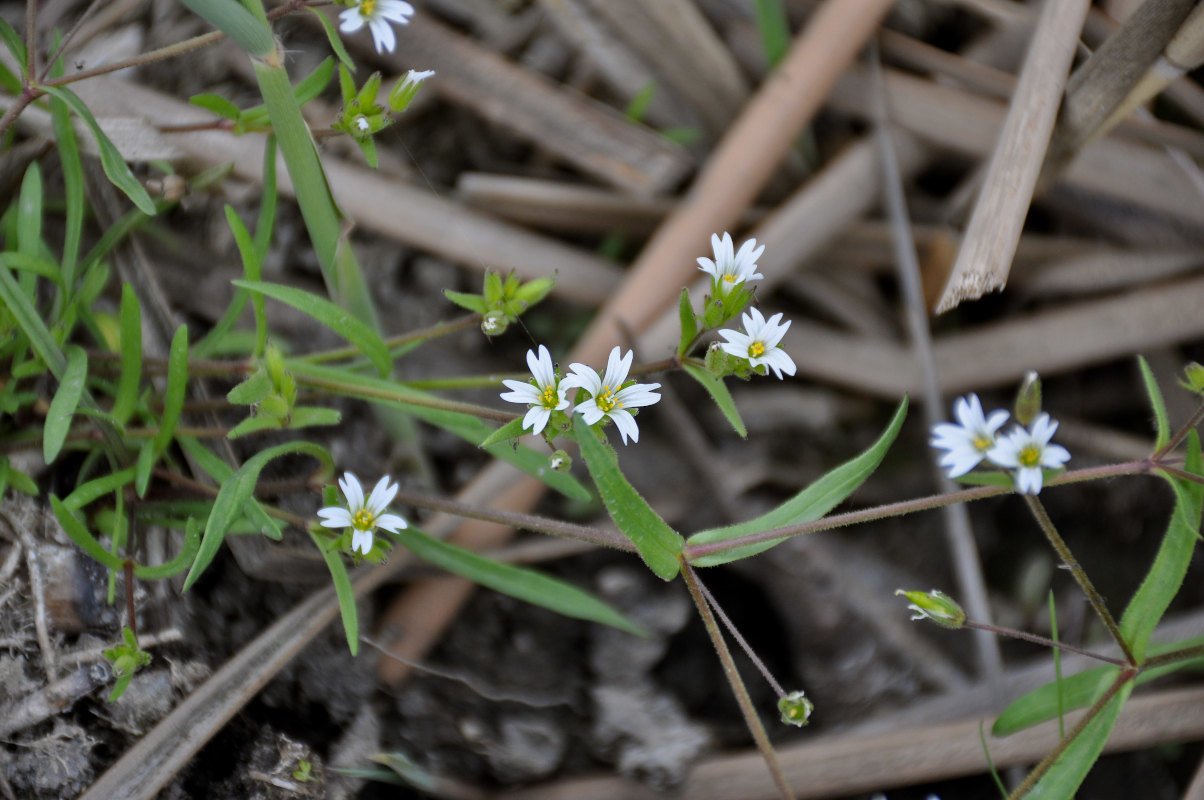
(990, 242)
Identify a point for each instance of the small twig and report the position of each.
(37, 588)
(1043, 640)
(740, 640)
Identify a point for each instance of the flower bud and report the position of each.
(494, 323)
(796, 709)
(1028, 398)
(936, 606)
(404, 90)
(1194, 378)
(560, 461)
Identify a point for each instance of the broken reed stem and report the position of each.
(733, 677)
(985, 259)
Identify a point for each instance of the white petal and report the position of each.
(1028, 480)
(396, 10)
(737, 349)
(590, 412)
(361, 541)
(382, 495)
(335, 517)
(392, 523)
(352, 491)
(583, 377)
(1054, 456)
(626, 424)
(520, 392)
(779, 361)
(352, 20)
(536, 418)
(617, 367)
(637, 395)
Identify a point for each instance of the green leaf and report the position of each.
(1081, 689)
(29, 212)
(253, 390)
(65, 402)
(1068, 771)
(236, 493)
(396, 395)
(131, 355)
(1166, 574)
(255, 425)
(330, 315)
(252, 263)
(810, 504)
(96, 488)
(217, 104)
(511, 430)
(73, 184)
(269, 198)
(1162, 425)
(15, 44)
(336, 41)
(472, 302)
(177, 386)
(220, 471)
(312, 84)
(343, 591)
(313, 416)
(143, 466)
(192, 543)
(14, 478)
(82, 537)
(689, 323)
(659, 545)
(775, 29)
(717, 389)
(115, 168)
(525, 584)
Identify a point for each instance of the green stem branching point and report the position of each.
(1084, 582)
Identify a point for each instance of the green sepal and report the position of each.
(511, 430)
(689, 323)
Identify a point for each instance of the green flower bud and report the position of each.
(494, 323)
(560, 461)
(1028, 398)
(1194, 375)
(936, 606)
(796, 709)
(404, 90)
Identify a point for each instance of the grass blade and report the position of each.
(177, 385)
(131, 355)
(65, 402)
(343, 591)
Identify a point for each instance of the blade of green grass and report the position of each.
(65, 402)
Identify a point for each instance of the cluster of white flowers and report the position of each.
(379, 16)
(730, 268)
(363, 516)
(611, 394)
(976, 437)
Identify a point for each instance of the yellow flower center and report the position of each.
(362, 520)
(1029, 456)
(982, 443)
(548, 398)
(367, 8)
(729, 278)
(606, 401)
(756, 350)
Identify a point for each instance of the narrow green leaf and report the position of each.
(131, 355)
(775, 29)
(1080, 689)
(143, 466)
(689, 322)
(241, 23)
(15, 44)
(42, 267)
(82, 537)
(177, 387)
(525, 584)
(72, 167)
(9, 82)
(1162, 425)
(65, 402)
(217, 104)
(396, 395)
(472, 302)
(252, 265)
(192, 543)
(115, 168)
(810, 504)
(313, 416)
(330, 315)
(265, 224)
(252, 390)
(511, 430)
(336, 41)
(659, 545)
(1166, 574)
(236, 493)
(220, 471)
(717, 389)
(15, 479)
(1067, 773)
(29, 212)
(343, 591)
(255, 425)
(96, 488)
(312, 84)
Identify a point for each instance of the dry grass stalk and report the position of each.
(990, 241)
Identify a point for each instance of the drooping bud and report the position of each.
(1193, 374)
(1028, 398)
(494, 323)
(936, 606)
(796, 709)
(560, 461)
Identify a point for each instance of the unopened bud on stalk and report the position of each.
(1028, 398)
(494, 323)
(1194, 375)
(560, 461)
(936, 606)
(796, 709)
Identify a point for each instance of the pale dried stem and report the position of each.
(994, 230)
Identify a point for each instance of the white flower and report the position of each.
(544, 395)
(759, 344)
(728, 270)
(404, 90)
(609, 398)
(969, 441)
(363, 516)
(1028, 451)
(379, 15)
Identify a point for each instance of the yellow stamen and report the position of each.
(1029, 456)
(362, 520)
(548, 398)
(729, 278)
(982, 443)
(756, 349)
(367, 8)
(605, 400)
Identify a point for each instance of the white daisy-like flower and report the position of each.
(759, 342)
(363, 516)
(379, 16)
(730, 268)
(609, 398)
(1028, 451)
(969, 441)
(544, 393)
